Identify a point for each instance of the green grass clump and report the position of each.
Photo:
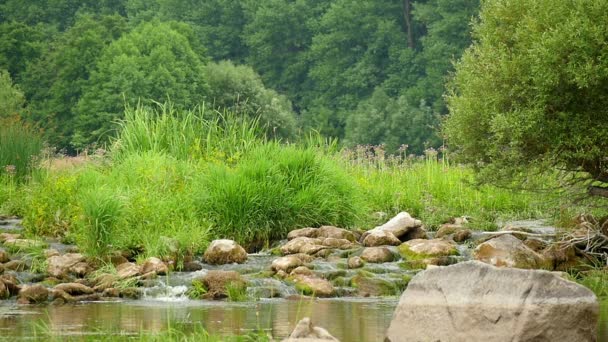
(596, 280)
(274, 189)
(237, 291)
(20, 149)
(185, 134)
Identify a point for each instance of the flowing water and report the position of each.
(164, 304)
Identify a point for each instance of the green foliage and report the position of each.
(596, 280)
(387, 121)
(55, 82)
(185, 134)
(435, 190)
(237, 291)
(20, 149)
(275, 189)
(530, 92)
(218, 24)
(12, 101)
(240, 90)
(156, 61)
(21, 44)
(101, 209)
(197, 291)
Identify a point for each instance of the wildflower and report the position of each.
(11, 170)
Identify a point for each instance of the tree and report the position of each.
(239, 89)
(218, 24)
(532, 90)
(55, 82)
(154, 62)
(392, 122)
(12, 100)
(20, 44)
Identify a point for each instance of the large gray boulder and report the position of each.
(473, 301)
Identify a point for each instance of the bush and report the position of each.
(275, 189)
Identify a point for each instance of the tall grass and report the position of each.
(434, 190)
(274, 189)
(20, 149)
(185, 134)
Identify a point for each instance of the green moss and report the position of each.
(413, 265)
(367, 286)
(408, 254)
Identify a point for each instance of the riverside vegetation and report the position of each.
(174, 180)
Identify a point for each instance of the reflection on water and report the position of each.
(348, 320)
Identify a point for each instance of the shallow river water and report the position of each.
(346, 319)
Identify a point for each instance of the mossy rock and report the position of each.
(375, 287)
(341, 281)
(425, 249)
(413, 265)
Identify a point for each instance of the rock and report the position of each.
(380, 238)
(447, 229)
(304, 232)
(81, 269)
(16, 265)
(306, 331)
(24, 243)
(8, 236)
(192, 266)
(216, 283)
(562, 257)
(286, 263)
(399, 226)
(462, 235)
(127, 270)
(336, 233)
(154, 265)
(355, 262)
(60, 266)
(74, 289)
(222, 252)
(301, 244)
(117, 259)
(423, 249)
(314, 286)
(377, 255)
(4, 292)
(473, 301)
(282, 274)
(11, 283)
(374, 286)
(105, 281)
(338, 243)
(303, 270)
(4, 257)
(535, 244)
(33, 294)
(130, 292)
(111, 292)
(456, 231)
(50, 252)
(507, 250)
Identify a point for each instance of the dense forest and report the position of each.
(366, 72)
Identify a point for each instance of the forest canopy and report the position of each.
(335, 67)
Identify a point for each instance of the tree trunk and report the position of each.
(407, 15)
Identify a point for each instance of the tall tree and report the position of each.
(218, 24)
(532, 90)
(54, 83)
(154, 62)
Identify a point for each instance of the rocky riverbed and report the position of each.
(324, 262)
